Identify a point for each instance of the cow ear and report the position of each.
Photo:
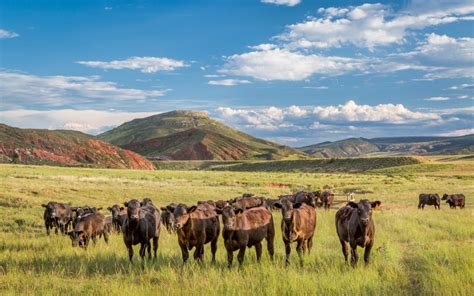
(238, 211)
(375, 204)
(277, 205)
(164, 208)
(191, 209)
(109, 208)
(171, 208)
(122, 208)
(44, 206)
(352, 204)
(125, 203)
(98, 209)
(297, 205)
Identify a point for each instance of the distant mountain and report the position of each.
(355, 147)
(64, 147)
(191, 135)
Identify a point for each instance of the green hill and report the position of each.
(64, 147)
(191, 135)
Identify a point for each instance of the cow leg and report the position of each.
(184, 252)
(354, 255)
(148, 247)
(143, 246)
(419, 205)
(94, 240)
(367, 253)
(345, 250)
(309, 243)
(241, 254)
(214, 249)
(46, 224)
(106, 237)
(199, 252)
(300, 250)
(155, 246)
(287, 252)
(130, 252)
(230, 258)
(270, 246)
(258, 250)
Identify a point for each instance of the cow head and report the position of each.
(78, 238)
(364, 210)
(445, 196)
(229, 216)
(115, 210)
(286, 207)
(50, 210)
(146, 201)
(181, 215)
(133, 210)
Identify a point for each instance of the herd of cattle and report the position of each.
(246, 221)
(433, 199)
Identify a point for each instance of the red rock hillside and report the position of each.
(64, 147)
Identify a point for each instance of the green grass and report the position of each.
(416, 252)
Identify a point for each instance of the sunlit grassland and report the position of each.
(416, 252)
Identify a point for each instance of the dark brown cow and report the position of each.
(141, 226)
(308, 198)
(57, 215)
(197, 226)
(297, 225)
(244, 229)
(79, 212)
(167, 217)
(119, 215)
(327, 199)
(455, 200)
(354, 225)
(249, 202)
(429, 199)
(89, 227)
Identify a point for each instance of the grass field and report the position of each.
(416, 252)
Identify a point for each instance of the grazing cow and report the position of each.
(141, 226)
(326, 199)
(429, 199)
(89, 227)
(167, 217)
(455, 200)
(248, 202)
(354, 225)
(196, 226)
(247, 228)
(297, 225)
(57, 215)
(119, 215)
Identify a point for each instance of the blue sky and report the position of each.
(295, 72)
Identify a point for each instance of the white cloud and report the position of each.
(213, 75)
(282, 2)
(437, 99)
(316, 87)
(370, 25)
(19, 89)
(144, 64)
(228, 82)
(462, 86)
(89, 121)
(458, 133)
(4, 34)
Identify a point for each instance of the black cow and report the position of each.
(429, 199)
(58, 215)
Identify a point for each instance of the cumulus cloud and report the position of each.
(88, 121)
(20, 89)
(437, 99)
(4, 34)
(282, 2)
(228, 82)
(458, 133)
(143, 64)
(370, 25)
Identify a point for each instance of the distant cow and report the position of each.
(429, 199)
(141, 226)
(119, 215)
(57, 215)
(167, 217)
(247, 228)
(196, 226)
(297, 225)
(327, 199)
(248, 202)
(89, 227)
(354, 225)
(80, 212)
(308, 198)
(455, 200)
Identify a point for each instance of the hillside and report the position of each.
(355, 147)
(64, 147)
(191, 135)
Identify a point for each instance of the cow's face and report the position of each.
(229, 217)
(78, 238)
(286, 207)
(364, 210)
(181, 215)
(146, 201)
(445, 196)
(50, 210)
(115, 210)
(133, 210)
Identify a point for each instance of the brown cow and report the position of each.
(354, 225)
(196, 226)
(89, 227)
(247, 228)
(455, 200)
(141, 226)
(297, 225)
(58, 215)
(167, 217)
(326, 199)
(248, 202)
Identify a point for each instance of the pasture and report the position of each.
(416, 252)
